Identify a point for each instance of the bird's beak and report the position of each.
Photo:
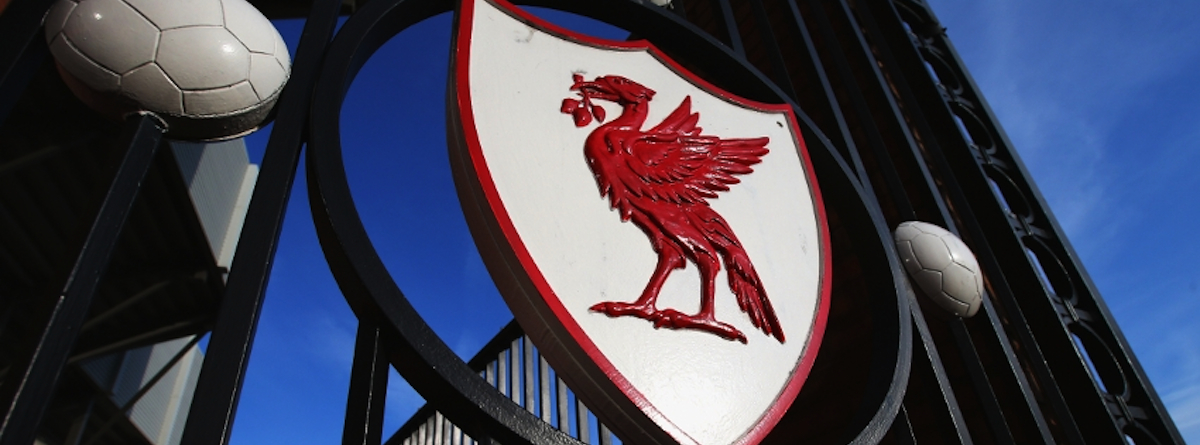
(597, 90)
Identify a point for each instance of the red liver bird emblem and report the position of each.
(661, 180)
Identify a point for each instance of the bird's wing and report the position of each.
(674, 162)
(680, 121)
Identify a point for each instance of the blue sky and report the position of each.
(1099, 98)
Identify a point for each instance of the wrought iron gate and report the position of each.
(898, 131)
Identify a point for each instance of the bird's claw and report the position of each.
(669, 318)
(673, 319)
(618, 309)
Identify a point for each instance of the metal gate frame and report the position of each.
(897, 129)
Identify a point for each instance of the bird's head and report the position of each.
(614, 88)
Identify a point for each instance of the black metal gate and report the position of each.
(897, 131)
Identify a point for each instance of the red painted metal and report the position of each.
(661, 180)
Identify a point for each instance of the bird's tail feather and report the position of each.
(751, 297)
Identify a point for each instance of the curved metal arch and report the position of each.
(420, 355)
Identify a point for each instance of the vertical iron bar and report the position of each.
(901, 198)
(1002, 340)
(925, 340)
(26, 394)
(874, 52)
(606, 437)
(438, 420)
(529, 383)
(865, 116)
(735, 37)
(514, 376)
(778, 66)
(839, 67)
(581, 421)
(490, 374)
(368, 387)
(979, 378)
(953, 193)
(502, 372)
(841, 139)
(564, 421)
(544, 387)
(862, 108)
(210, 420)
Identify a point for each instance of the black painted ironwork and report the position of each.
(731, 28)
(417, 352)
(1067, 319)
(211, 417)
(495, 364)
(26, 391)
(897, 131)
(368, 387)
(443, 379)
(1027, 410)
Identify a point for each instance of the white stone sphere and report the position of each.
(211, 69)
(943, 266)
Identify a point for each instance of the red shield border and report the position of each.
(559, 338)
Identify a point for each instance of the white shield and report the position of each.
(557, 248)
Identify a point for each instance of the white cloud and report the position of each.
(1061, 76)
(1184, 405)
(1174, 365)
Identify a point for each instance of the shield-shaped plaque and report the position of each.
(660, 240)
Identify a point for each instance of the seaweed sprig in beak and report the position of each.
(583, 110)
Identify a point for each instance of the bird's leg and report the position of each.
(704, 320)
(668, 259)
